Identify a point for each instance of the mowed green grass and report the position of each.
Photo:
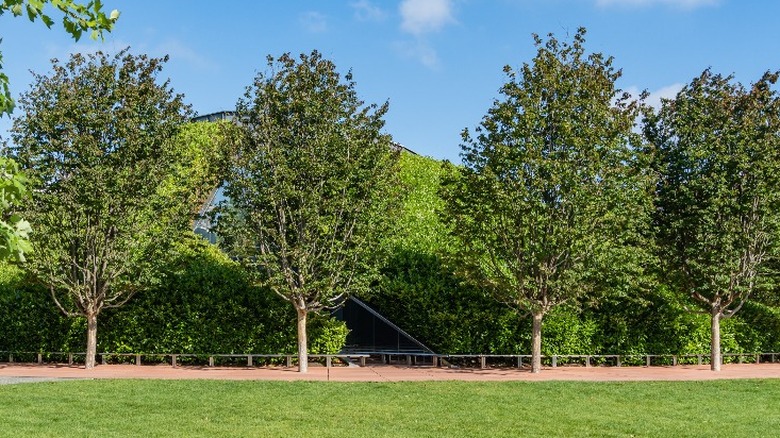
(108, 408)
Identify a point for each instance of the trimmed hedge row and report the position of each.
(421, 295)
(204, 304)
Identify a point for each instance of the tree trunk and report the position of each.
(536, 343)
(91, 340)
(715, 356)
(303, 351)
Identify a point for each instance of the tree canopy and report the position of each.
(549, 199)
(311, 187)
(77, 18)
(717, 154)
(95, 139)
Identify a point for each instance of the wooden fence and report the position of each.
(174, 359)
(409, 359)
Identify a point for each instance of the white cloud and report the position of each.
(667, 92)
(420, 51)
(314, 22)
(682, 4)
(366, 11)
(655, 97)
(422, 16)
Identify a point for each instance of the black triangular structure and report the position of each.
(371, 332)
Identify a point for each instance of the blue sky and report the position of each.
(438, 62)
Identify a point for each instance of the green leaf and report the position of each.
(47, 20)
(31, 13)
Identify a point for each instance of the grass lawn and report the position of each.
(424, 409)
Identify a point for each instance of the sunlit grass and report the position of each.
(422, 409)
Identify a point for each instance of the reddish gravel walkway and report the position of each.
(390, 373)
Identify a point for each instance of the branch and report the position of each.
(109, 304)
(60, 306)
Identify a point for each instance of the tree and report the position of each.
(717, 154)
(310, 188)
(94, 138)
(77, 18)
(550, 199)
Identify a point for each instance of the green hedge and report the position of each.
(419, 293)
(29, 320)
(422, 297)
(205, 304)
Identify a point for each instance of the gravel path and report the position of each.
(17, 373)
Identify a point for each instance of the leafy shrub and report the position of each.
(29, 319)
(204, 304)
(326, 335)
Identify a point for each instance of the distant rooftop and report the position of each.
(213, 117)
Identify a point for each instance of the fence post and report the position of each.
(434, 360)
(648, 360)
(11, 357)
(249, 360)
(288, 360)
(554, 361)
(173, 360)
(138, 360)
(618, 361)
(758, 358)
(519, 361)
(482, 362)
(674, 360)
(102, 359)
(409, 359)
(70, 359)
(211, 361)
(327, 361)
(587, 361)
(40, 358)
(363, 361)
(698, 356)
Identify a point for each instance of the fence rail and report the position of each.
(407, 358)
(173, 359)
(618, 360)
